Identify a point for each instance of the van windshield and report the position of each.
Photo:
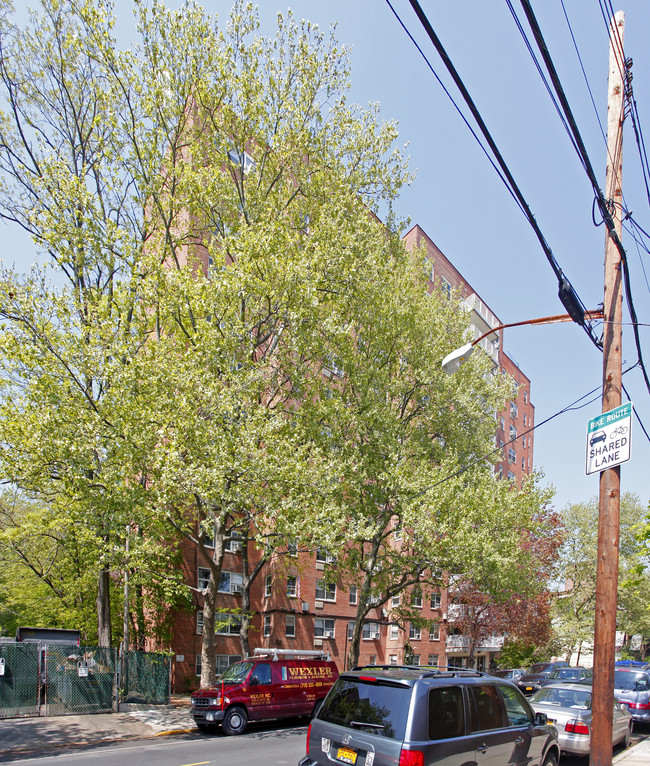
(236, 673)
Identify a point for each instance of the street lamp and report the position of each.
(453, 361)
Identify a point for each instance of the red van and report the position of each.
(271, 684)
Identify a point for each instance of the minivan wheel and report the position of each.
(235, 720)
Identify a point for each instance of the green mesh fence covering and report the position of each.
(21, 689)
(146, 678)
(79, 679)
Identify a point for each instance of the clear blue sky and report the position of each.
(459, 200)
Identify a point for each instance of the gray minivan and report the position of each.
(381, 715)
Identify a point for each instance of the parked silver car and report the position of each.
(389, 715)
(632, 689)
(568, 708)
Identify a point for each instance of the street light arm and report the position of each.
(454, 360)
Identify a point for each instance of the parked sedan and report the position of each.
(528, 683)
(632, 689)
(511, 674)
(568, 708)
(566, 675)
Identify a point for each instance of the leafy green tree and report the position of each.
(574, 603)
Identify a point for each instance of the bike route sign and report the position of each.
(609, 437)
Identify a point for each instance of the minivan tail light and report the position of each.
(576, 727)
(411, 758)
(637, 705)
(370, 679)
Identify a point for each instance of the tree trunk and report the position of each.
(104, 608)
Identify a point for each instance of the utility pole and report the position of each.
(610, 479)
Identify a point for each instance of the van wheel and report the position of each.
(550, 760)
(317, 707)
(235, 720)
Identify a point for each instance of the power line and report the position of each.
(600, 197)
(566, 291)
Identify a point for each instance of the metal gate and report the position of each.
(147, 676)
(20, 680)
(79, 679)
(44, 679)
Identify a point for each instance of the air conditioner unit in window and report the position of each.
(328, 634)
(374, 636)
(237, 588)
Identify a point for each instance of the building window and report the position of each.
(523, 463)
(513, 433)
(513, 410)
(445, 287)
(234, 545)
(373, 659)
(324, 557)
(525, 397)
(242, 160)
(231, 582)
(435, 601)
(512, 455)
(416, 599)
(397, 532)
(203, 578)
(392, 660)
(268, 581)
(370, 631)
(290, 626)
(292, 586)
(433, 660)
(267, 625)
(353, 595)
(434, 632)
(350, 629)
(224, 623)
(292, 548)
(325, 591)
(415, 633)
(415, 659)
(525, 418)
(523, 441)
(511, 475)
(394, 632)
(223, 662)
(323, 628)
(394, 602)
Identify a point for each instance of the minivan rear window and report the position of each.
(374, 708)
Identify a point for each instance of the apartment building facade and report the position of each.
(299, 602)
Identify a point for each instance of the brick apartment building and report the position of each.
(298, 604)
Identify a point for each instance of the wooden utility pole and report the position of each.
(610, 479)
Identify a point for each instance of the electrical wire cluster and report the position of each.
(567, 294)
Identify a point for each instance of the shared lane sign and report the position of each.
(609, 438)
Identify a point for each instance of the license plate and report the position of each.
(346, 755)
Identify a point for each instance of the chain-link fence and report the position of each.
(46, 679)
(79, 679)
(20, 680)
(146, 678)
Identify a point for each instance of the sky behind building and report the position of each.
(462, 204)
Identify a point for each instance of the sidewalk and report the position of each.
(25, 736)
(639, 755)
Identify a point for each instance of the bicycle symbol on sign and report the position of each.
(620, 431)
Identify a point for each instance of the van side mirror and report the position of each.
(541, 719)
